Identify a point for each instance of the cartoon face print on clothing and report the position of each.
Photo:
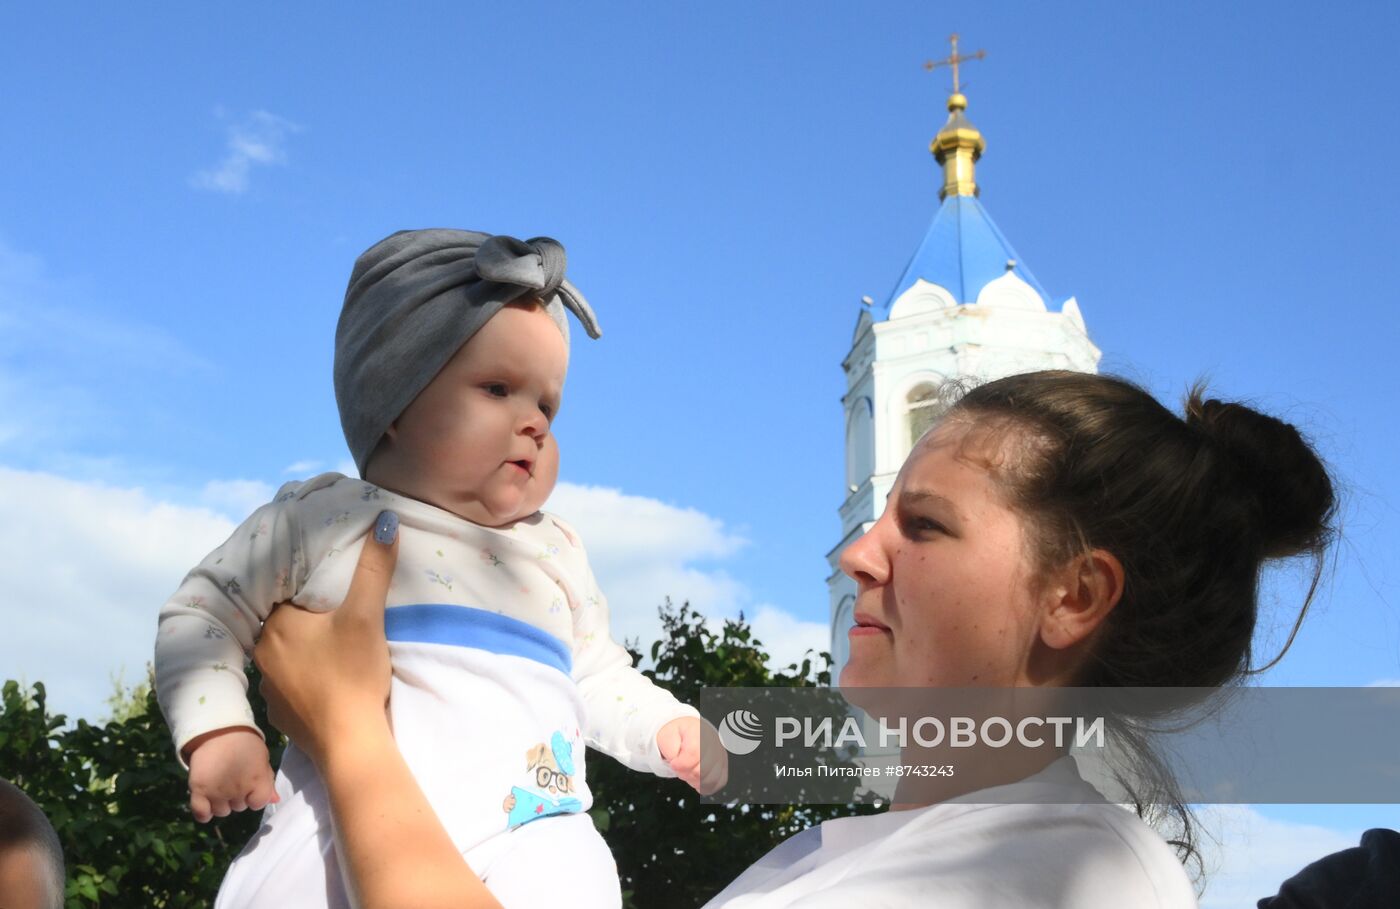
(549, 783)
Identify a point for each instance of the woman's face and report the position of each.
(946, 595)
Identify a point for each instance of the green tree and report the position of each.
(118, 800)
(671, 849)
(128, 703)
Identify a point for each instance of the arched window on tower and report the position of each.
(860, 443)
(924, 407)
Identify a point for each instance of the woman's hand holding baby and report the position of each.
(326, 676)
(679, 743)
(326, 681)
(229, 771)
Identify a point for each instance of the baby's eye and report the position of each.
(547, 409)
(496, 389)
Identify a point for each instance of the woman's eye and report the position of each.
(918, 525)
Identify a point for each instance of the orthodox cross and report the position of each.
(953, 61)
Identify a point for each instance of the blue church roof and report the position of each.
(962, 252)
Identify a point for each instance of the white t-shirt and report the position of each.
(965, 854)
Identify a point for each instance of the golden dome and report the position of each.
(957, 147)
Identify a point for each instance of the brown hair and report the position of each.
(1191, 506)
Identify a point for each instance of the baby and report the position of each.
(449, 366)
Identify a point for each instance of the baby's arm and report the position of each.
(628, 716)
(205, 632)
(229, 771)
(691, 746)
(645, 727)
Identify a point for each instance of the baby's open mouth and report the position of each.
(523, 465)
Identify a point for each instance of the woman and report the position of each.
(1053, 529)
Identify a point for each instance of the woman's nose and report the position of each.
(865, 561)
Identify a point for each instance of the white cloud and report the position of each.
(257, 140)
(236, 497)
(1384, 683)
(642, 526)
(1248, 855)
(643, 550)
(786, 638)
(86, 568)
(301, 468)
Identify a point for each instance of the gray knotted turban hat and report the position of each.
(415, 298)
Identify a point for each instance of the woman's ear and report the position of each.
(1080, 596)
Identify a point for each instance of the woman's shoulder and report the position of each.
(1091, 854)
(973, 856)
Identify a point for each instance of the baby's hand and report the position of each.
(679, 744)
(229, 771)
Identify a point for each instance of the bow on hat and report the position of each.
(537, 264)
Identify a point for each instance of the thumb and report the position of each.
(667, 741)
(369, 588)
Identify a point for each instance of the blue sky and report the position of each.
(183, 192)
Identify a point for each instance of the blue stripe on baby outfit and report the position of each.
(466, 626)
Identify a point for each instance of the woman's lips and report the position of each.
(865, 625)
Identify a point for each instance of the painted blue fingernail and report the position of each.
(386, 527)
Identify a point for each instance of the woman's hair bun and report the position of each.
(1290, 485)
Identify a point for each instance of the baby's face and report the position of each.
(477, 441)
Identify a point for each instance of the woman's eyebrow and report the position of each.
(911, 497)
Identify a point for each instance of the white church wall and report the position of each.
(859, 429)
(858, 508)
(1070, 310)
(922, 297)
(1010, 292)
(857, 362)
(842, 619)
(895, 425)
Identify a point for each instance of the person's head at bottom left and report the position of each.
(31, 859)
